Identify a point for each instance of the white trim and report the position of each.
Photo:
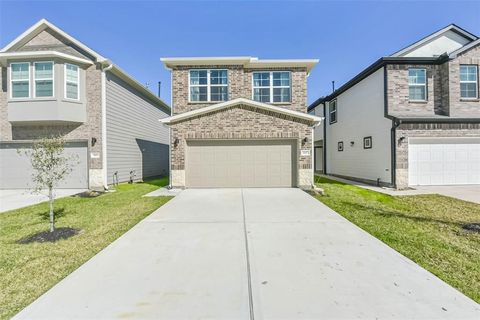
(65, 81)
(35, 79)
(29, 81)
(271, 86)
(242, 101)
(246, 62)
(41, 54)
(468, 81)
(104, 125)
(44, 24)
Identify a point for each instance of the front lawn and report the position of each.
(28, 270)
(424, 228)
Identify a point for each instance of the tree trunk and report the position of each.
(52, 219)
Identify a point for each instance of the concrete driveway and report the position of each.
(245, 254)
(469, 193)
(11, 199)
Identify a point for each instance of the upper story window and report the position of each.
(208, 85)
(417, 84)
(333, 111)
(43, 79)
(20, 80)
(273, 86)
(468, 81)
(72, 79)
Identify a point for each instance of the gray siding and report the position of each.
(136, 140)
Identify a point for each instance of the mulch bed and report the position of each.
(47, 236)
(474, 227)
(89, 194)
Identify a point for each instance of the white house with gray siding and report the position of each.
(409, 119)
(52, 84)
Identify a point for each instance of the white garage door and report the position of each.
(238, 163)
(445, 161)
(16, 170)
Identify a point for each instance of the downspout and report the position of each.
(104, 123)
(170, 135)
(393, 135)
(324, 139)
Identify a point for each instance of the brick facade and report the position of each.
(47, 40)
(240, 121)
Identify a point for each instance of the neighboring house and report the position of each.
(52, 84)
(240, 122)
(412, 118)
(318, 147)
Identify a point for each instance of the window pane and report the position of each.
(20, 71)
(261, 79)
(261, 95)
(71, 73)
(417, 93)
(468, 73)
(20, 89)
(218, 77)
(468, 90)
(417, 76)
(281, 94)
(72, 90)
(219, 93)
(43, 70)
(198, 94)
(281, 79)
(198, 77)
(43, 88)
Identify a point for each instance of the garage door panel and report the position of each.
(238, 163)
(16, 169)
(444, 163)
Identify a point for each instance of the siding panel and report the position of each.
(136, 140)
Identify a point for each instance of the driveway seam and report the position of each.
(247, 256)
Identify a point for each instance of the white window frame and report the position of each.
(23, 80)
(67, 81)
(418, 85)
(334, 111)
(208, 85)
(35, 80)
(475, 81)
(271, 86)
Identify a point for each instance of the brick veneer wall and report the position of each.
(241, 122)
(239, 86)
(459, 107)
(398, 93)
(426, 131)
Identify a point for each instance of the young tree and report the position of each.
(50, 167)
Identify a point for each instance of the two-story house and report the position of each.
(240, 122)
(412, 118)
(54, 85)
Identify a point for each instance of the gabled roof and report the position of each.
(39, 27)
(246, 62)
(241, 101)
(8, 52)
(472, 44)
(450, 27)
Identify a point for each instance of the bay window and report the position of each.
(71, 81)
(273, 86)
(20, 80)
(43, 79)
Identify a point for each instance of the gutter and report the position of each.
(104, 123)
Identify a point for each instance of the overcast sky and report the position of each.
(346, 36)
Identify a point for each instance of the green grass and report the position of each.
(424, 228)
(28, 270)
